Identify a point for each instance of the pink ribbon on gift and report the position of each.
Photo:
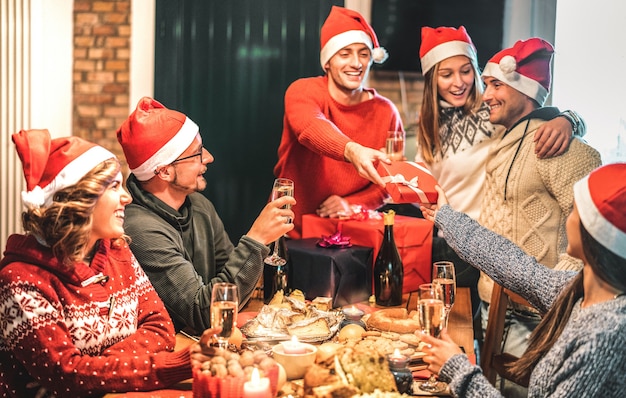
(412, 184)
(335, 240)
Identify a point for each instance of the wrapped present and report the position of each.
(413, 236)
(408, 182)
(343, 273)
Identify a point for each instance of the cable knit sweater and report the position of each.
(527, 199)
(80, 338)
(588, 359)
(316, 130)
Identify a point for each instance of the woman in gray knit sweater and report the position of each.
(579, 348)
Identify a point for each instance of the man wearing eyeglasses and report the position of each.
(177, 236)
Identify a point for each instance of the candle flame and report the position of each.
(396, 353)
(294, 339)
(255, 378)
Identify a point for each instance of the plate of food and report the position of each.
(287, 316)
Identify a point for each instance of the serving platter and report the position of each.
(255, 330)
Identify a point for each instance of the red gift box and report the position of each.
(408, 182)
(413, 236)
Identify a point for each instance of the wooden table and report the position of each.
(460, 329)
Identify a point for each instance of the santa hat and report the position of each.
(53, 164)
(154, 136)
(443, 42)
(525, 67)
(601, 199)
(344, 27)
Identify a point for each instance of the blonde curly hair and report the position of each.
(65, 226)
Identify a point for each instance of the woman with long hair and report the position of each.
(78, 316)
(579, 348)
(454, 136)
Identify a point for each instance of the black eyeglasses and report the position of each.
(189, 157)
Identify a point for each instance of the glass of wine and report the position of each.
(224, 308)
(443, 274)
(282, 187)
(431, 315)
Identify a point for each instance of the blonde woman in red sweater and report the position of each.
(332, 124)
(78, 316)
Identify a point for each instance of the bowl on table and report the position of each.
(295, 364)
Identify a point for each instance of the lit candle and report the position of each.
(397, 360)
(293, 346)
(353, 313)
(257, 387)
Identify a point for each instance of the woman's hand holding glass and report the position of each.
(431, 314)
(438, 350)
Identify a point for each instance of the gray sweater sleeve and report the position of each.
(501, 259)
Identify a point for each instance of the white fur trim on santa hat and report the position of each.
(342, 40)
(447, 50)
(595, 223)
(168, 152)
(69, 175)
(521, 83)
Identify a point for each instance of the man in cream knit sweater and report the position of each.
(527, 199)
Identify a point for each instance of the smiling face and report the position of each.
(506, 104)
(455, 79)
(108, 213)
(189, 168)
(348, 69)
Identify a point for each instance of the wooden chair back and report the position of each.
(493, 361)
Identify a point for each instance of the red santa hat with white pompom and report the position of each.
(154, 136)
(525, 67)
(344, 27)
(51, 165)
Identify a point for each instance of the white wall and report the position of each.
(142, 50)
(589, 67)
(52, 39)
(51, 66)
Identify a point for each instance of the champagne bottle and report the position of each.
(388, 269)
(275, 271)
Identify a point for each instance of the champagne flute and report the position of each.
(443, 274)
(282, 187)
(431, 315)
(224, 308)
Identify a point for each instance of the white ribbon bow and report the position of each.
(412, 184)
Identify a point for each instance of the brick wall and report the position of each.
(101, 70)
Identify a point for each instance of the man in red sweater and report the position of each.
(333, 124)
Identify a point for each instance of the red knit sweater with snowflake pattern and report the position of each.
(76, 338)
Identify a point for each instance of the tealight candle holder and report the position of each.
(353, 314)
(401, 373)
(295, 365)
(257, 387)
(293, 346)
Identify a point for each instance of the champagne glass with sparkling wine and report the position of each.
(443, 274)
(224, 308)
(431, 315)
(282, 187)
